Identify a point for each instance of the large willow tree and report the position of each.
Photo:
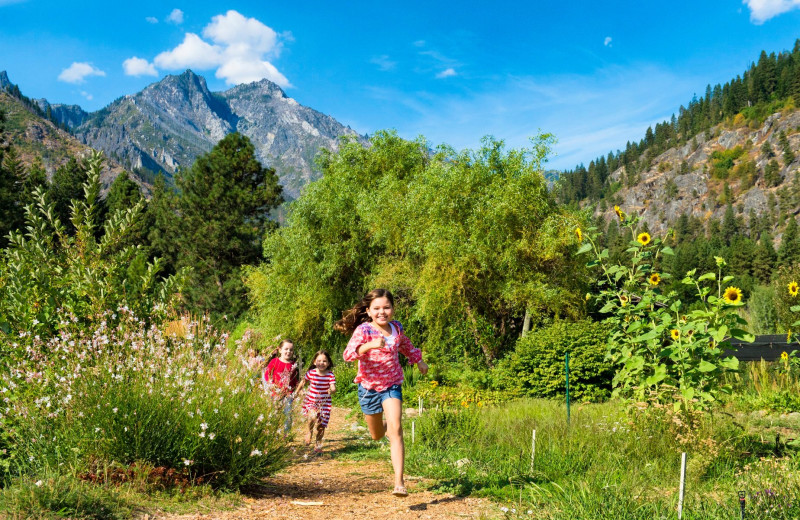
(468, 240)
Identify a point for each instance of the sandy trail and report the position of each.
(347, 489)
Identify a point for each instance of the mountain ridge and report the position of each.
(169, 123)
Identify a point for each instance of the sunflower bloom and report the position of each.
(623, 300)
(784, 356)
(579, 234)
(732, 295)
(655, 279)
(793, 287)
(643, 238)
(619, 213)
(675, 334)
(789, 336)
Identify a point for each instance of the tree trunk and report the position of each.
(487, 353)
(526, 325)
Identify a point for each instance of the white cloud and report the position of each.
(383, 62)
(78, 71)
(607, 41)
(238, 47)
(194, 52)
(138, 67)
(151, 19)
(419, 43)
(447, 73)
(87, 95)
(763, 10)
(176, 17)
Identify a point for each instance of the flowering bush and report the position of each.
(129, 393)
(663, 351)
(47, 270)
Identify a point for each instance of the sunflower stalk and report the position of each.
(664, 354)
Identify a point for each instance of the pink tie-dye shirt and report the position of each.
(379, 368)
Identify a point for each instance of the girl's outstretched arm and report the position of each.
(413, 354)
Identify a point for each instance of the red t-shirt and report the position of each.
(282, 377)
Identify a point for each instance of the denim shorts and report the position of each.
(371, 401)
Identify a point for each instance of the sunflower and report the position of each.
(675, 333)
(789, 336)
(655, 279)
(643, 238)
(784, 356)
(579, 234)
(623, 300)
(793, 287)
(732, 295)
(619, 213)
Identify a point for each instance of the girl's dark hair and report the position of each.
(321, 353)
(352, 318)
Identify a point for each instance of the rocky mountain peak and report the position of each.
(4, 81)
(263, 87)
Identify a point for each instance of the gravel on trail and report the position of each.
(324, 487)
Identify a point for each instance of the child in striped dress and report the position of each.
(317, 403)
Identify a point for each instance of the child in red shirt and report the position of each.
(375, 343)
(281, 378)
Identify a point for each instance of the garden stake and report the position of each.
(566, 370)
(533, 448)
(413, 423)
(742, 496)
(420, 405)
(683, 485)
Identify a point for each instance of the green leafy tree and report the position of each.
(219, 221)
(469, 241)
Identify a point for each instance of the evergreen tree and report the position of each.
(10, 217)
(788, 154)
(764, 259)
(729, 226)
(221, 217)
(66, 186)
(789, 251)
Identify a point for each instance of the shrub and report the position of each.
(537, 364)
(131, 394)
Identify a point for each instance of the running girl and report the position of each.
(317, 403)
(376, 341)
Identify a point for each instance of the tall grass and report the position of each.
(606, 463)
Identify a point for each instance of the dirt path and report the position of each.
(346, 489)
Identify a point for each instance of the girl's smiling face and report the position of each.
(321, 363)
(286, 350)
(380, 311)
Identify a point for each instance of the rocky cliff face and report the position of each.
(38, 140)
(168, 124)
(680, 180)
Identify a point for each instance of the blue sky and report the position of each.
(596, 74)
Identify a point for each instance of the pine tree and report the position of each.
(66, 186)
(221, 216)
(789, 251)
(764, 259)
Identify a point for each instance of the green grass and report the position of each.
(607, 463)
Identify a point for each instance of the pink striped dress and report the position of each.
(318, 397)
